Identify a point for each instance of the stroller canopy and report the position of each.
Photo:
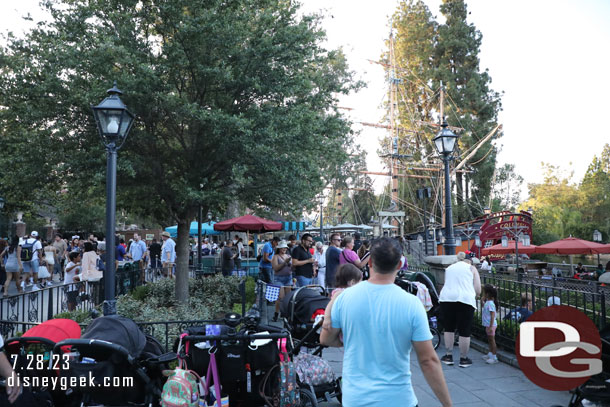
(307, 301)
(55, 330)
(119, 330)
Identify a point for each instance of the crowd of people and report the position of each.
(32, 263)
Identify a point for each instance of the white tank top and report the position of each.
(459, 285)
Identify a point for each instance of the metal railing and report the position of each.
(164, 331)
(510, 292)
(43, 304)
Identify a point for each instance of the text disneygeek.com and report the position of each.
(64, 383)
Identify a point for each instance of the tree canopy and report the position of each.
(428, 53)
(233, 100)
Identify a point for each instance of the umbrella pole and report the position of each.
(571, 265)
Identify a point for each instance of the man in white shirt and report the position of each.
(319, 255)
(240, 252)
(168, 254)
(31, 248)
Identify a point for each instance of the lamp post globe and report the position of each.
(113, 122)
(445, 144)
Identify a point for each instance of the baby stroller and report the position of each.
(125, 364)
(596, 390)
(412, 287)
(35, 360)
(246, 359)
(299, 310)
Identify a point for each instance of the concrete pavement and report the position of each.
(475, 386)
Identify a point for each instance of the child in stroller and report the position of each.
(299, 310)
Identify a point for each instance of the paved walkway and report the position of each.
(476, 386)
(501, 385)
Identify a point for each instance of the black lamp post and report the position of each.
(1, 208)
(445, 143)
(113, 124)
(321, 223)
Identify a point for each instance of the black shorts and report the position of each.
(457, 315)
(71, 297)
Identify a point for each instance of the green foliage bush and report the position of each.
(79, 316)
(210, 298)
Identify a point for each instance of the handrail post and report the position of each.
(50, 304)
(603, 297)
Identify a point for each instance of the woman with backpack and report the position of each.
(12, 265)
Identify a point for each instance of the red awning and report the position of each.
(248, 223)
(572, 245)
(499, 249)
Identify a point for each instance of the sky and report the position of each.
(549, 57)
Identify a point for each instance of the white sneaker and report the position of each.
(493, 360)
(485, 356)
(50, 282)
(35, 287)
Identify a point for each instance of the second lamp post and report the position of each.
(445, 143)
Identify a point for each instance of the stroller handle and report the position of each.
(236, 337)
(96, 343)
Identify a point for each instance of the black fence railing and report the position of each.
(43, 304)
(164, 331)
(510, 292)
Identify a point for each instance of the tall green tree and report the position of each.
(556, 203)
(233, 100)
(426, 54)
(472, 105)
(595, 188)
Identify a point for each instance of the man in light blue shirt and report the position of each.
(380, 323)
(137, 253)
(168, 254)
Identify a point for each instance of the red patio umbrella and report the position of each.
(499, 249)
(572, 245)
(248, 223)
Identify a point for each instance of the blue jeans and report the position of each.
(266, 274)
(303, 281)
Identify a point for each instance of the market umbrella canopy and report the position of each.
(499, 249)
(207, 228)
(248, 223)
(572, 245)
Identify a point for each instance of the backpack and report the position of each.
(27, 250)
(181, 389)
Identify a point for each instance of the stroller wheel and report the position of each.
(307, 398)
